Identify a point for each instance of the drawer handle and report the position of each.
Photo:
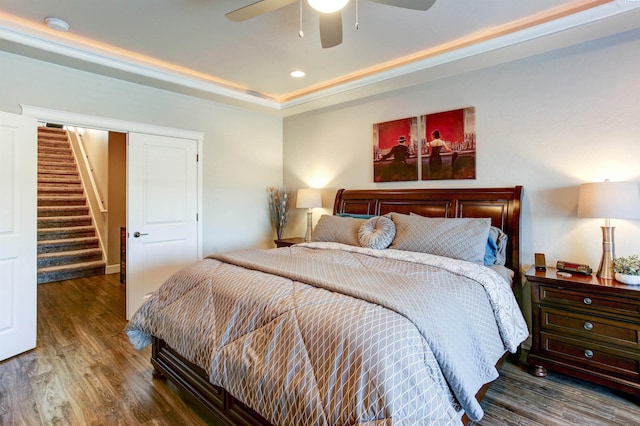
(588, 326)
(588, 353)
(587, 301)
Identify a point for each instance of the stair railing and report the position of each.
(87, 167)
(94, 199)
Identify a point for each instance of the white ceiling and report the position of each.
(190, 47)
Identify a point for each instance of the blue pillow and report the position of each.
(356, 215)
(490, 254)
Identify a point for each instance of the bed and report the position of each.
(322, 347)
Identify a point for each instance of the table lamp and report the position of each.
(607, 200)
(308, 198)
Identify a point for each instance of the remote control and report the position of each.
(563, 274)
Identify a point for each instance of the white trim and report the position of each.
(560, 28)
(103, 123)
(123, 64)
(187, 84)
(112, 269)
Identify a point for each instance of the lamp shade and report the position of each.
(618, 200)
(308, 198)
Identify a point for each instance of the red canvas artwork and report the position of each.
(395, 150)
(448, 148)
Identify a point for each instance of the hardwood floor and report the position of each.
(518, 398)
(85, 372)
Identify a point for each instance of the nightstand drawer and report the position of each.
(588, 301)
(590, 327)
(606, 359)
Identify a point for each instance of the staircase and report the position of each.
(68, 246)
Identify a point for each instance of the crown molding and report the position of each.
(578, 22)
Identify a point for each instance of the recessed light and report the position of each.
(297, 74)
(57, 24)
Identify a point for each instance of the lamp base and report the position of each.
(307, 236)
(605, 270)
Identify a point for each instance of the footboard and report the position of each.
(218, 404)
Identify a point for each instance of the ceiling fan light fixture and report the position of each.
(328, 6)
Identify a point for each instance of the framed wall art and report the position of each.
(395, 150)
(448, 144)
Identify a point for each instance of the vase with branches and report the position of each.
(279, 203)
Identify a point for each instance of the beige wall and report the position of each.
(548, 122)
(117, 193)
(96, 147)
(242, 149)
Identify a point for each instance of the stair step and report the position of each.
(56, 158)
(61, 200)
(52, 136)
(60, 190)
(58, 183)
(69, 176)
(54, 148)
(52, 142)
(68, 272)
(51, 180)
(46, 165)
(57, 171)
(68, 244)
(51, 130)
(63, 221)
(69, 232)
(46, 260)
(60, 211)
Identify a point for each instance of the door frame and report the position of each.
(123, 126)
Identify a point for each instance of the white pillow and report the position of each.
(377, 233)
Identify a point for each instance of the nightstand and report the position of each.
(287, 242)
(585, 327)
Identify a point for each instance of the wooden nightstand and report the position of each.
(287, 242)
(585, 327)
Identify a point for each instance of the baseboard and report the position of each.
(112, 269)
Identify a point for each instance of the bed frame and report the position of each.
(502, 205)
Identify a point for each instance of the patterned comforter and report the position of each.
(328, 334)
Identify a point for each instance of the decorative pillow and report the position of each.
(462, 238)
(500, 239)
(356, 215)
(337, 229)
(377, 233)
(491, 251)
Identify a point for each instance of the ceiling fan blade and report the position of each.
(256, 9)
(330, 29)
(408, 4)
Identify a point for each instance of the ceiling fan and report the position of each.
(330, 19)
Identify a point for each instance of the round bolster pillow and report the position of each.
(377, 233)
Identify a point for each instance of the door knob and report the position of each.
(138, 235)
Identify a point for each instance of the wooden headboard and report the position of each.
(501, 205)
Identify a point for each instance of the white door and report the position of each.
(162, 208)
(18, 233)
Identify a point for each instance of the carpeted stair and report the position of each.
(67, 243)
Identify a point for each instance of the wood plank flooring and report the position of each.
(85, 372)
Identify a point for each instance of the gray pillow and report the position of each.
(337, 229)
(377, 233)
(463, 238)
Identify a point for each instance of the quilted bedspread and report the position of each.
(328, 334)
